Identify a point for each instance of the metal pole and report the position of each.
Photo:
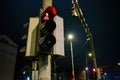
(86, 62)
(87, 70)
(85, 26)
(34, 71)
(46, 3)
(45, 61)
(71, 48)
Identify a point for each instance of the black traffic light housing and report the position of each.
(49, 27)
(94, 74)
(47, 39)
(48, 42)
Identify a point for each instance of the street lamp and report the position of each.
(90, 54)
(70, 37)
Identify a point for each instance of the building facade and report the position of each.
(8, 52)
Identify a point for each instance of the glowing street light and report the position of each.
(118, 64)
(90, 54)
(70, 36)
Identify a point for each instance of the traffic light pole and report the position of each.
(89, 35)
(44, 70)
(34, 70)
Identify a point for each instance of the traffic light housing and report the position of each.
(94, 73)
(101, 71)
(47, 38)
(41, 35)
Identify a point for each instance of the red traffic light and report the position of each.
(52, 10)
(48, 14)
(93, 69)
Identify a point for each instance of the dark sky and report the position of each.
(102, 17)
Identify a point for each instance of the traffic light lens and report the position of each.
(94, 70)
(51, 10)
(48, 14)
(48, 42)
(48, 28)
(46, 17)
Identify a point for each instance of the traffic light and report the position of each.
(94, 74)
(74, 12)
(47, 39)
(93, 69)
(40, 36)
(101, 71)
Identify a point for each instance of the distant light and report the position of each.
(94, 70)
(86, 68)
(28, 78)
(105, 73)
(24, 72)
(119, 64)
(90, 54)
(70, 36)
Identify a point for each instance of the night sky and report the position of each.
(102, 17)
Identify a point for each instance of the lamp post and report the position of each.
(87, 31)
(87, 68)
(70, 37)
